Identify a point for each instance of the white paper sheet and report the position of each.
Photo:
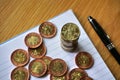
(99, 71)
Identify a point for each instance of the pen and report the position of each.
(105, 38)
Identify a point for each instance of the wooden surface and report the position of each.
(17, 16)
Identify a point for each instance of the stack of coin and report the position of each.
(69, 36)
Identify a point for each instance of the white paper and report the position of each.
(99, 71)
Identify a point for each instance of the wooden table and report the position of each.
(17, 16)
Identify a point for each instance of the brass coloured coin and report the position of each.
(33, 40)
(38, 52)
(20, 73)
(57, 67)
(20, 57)
(37, 68)
(47, 30)
(77, 74)
(64, 77)
(70, 32)
(84, 60)
(47, 61)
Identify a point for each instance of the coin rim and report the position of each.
(69, 44)
(69, 49)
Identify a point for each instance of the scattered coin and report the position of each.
(57, 67)
(33, 40)
(84, 60)
(47, 29)
(38, 52)
(37, 68)
(20, 57)
(77, 74)
(20, 73)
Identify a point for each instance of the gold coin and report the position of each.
(70, 32)
(57, 67)
(84, 60)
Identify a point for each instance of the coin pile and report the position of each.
(37, 50)
(42, 64)
(69, 36)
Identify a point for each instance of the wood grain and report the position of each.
(17, 16)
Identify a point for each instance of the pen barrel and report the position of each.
(105, 38)
(99, 30)
(115, 54)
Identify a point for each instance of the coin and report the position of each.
(20, 57)
(84, 60)
(33, 40)
(47, 29)
(69, 36)
(77, 74)
(70, 32)
(20, 73)
(47, 60)
(37, 68)
(38, 52)
(57, 67)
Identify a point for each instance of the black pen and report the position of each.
(105, 38)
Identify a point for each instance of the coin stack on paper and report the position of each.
(69, 36)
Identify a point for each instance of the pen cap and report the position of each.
(99, 30)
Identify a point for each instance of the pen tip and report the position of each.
(90, 18)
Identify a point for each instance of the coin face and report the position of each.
(70, 32)
(38, 52)
(20, 57)
(47, 30)
(47, 60)
(37, 68)
(33, 40)
(77, 74)
(20, 73)
(84, 60)
(64, 77)
(57, 67)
